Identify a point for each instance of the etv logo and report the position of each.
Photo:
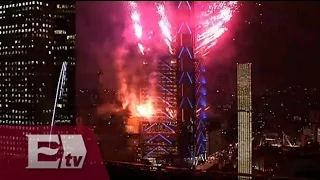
(74, 151)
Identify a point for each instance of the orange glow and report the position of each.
(138, 111)
(136, 88)
(132, 125)
(171, 112)
(145, 110)
(131, 102)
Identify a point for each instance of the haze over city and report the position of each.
(256, 57)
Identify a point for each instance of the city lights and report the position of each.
(31, 57)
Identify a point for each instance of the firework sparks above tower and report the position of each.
(176, 37)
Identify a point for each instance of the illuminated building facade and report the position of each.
(244, 118)
(63, 51)
(201, 133)
(191, 92)
(160, 133)
(36, 49)
(179, 127)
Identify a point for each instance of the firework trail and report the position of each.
(164, 24)
(154, 28)
(136, 22)
(211, 18)
(130, 67)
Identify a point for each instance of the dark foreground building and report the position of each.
(36, 50)
(117, 171)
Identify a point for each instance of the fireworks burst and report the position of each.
(211, 18)
(152, 31)
(164, 25)
(136, 23)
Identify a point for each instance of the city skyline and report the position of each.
(281, 50)
(189, 89)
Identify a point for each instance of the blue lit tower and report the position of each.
(178, 128)
(201, 133)
(191, 110)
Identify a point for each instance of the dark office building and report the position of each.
(37, 62)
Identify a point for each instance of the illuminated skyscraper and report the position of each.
(63, 50)
(159, 136)
(244, 118)
(36, 39)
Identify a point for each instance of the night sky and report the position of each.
(281, 39)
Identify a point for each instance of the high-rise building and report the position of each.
(244, 118)
(159, 136)
(37, 62)
(63, 51)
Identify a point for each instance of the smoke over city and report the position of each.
(143, 31)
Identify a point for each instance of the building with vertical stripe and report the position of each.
(244, 101)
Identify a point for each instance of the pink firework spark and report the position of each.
(164, 24)
(211, 18)
(136, 22)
